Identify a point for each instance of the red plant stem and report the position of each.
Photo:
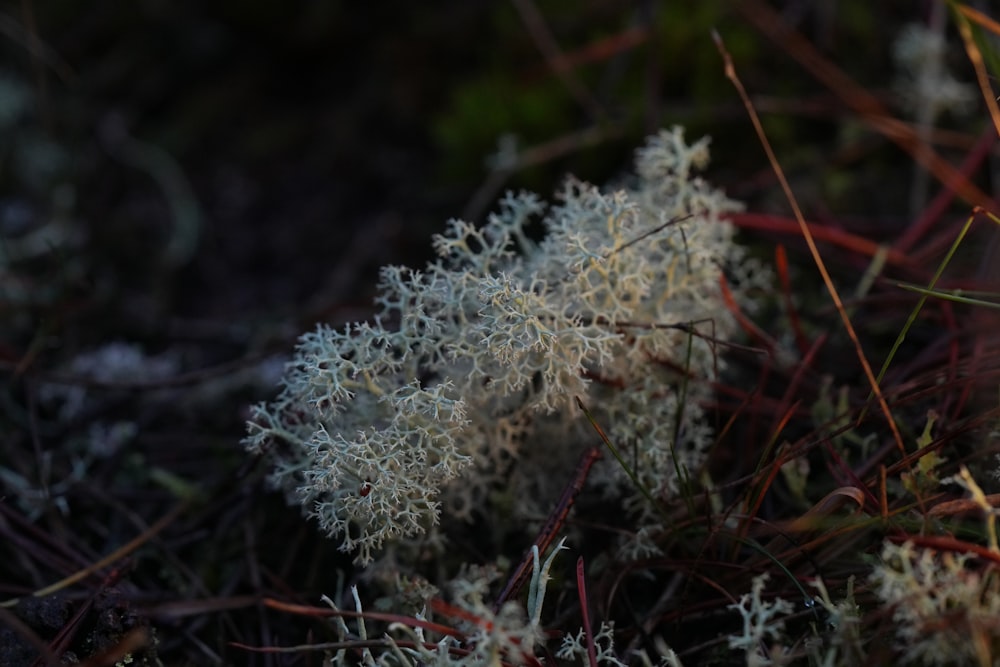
(326, 612)
(551, 528)
(838, 237)
(781, 264)
(946, 543)
(581, 588)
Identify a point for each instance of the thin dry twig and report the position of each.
(730, 71)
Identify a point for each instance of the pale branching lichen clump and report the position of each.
(468, 373)
(763, 626)
(945, 606)
(574, 647)
(923, 83)
(483, 636)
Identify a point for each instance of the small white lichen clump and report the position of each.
(763, 626)
(475, 361)
(945, 606)
(923, 82)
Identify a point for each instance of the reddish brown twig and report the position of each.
(581, 588)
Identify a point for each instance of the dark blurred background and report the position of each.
(295, 147)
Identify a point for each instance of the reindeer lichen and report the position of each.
(474, 362)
